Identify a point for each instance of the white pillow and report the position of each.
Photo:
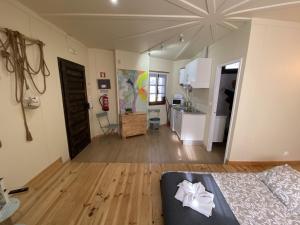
(284, 183)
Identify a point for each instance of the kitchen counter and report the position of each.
(188, 125)
(184, 110)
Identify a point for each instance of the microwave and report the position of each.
(176, 101)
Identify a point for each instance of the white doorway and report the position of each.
(223, 106)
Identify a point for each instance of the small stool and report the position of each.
(154, 122)
(8, 210)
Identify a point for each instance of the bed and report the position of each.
(240, 198)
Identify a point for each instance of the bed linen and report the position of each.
(284, 182)
(248, 198)
(251, 200)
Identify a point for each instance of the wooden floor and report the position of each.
(102, 193)
(162, 146)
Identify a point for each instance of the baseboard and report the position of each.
(260, 163)
(48, 170)
(188, 142)
(97, 136)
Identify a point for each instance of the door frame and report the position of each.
(215, 104)
(60, 61)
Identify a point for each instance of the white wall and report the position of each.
(104, 61)
(232, 47)
(131, 60)
(173, 84)
(101, 61)
(268, 121)
(161, 65)
(21, 160)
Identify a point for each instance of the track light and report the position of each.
(181, 39)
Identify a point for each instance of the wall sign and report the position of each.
(103, 84)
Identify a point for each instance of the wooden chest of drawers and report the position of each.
(133, 124)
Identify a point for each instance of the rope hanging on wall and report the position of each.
(13, 47)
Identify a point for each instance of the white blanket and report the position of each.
(194, 196)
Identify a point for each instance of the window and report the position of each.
(233, 66)
(157, 88)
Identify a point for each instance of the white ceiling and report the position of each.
(142, 25)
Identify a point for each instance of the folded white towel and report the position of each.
(195, 197)
(188, 187)
(203, 205)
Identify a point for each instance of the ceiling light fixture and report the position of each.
(114, 2)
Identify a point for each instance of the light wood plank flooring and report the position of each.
(103, 193)
(162, 146)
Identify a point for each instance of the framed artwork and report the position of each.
(133, 90)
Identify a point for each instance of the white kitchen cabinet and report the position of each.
(172, 119)
(192, 128)
(219, 128)
(178, 122)
(198, 72)
(189, 127)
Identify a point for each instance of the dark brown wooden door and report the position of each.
(72, 77)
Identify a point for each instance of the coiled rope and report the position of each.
(13, 46)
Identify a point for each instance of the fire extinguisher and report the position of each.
(103, 100)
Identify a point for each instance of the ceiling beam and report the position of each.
(186, 5)
(182, 49)
(211, 6)
(230, 25)
(157, 44)
(241, 18)
(221, 5)
(227, 26)
(235, 6)
(168, 39)
(264, 7)
(213, 31)
(186, 45)
(125, 16)
(158, 30)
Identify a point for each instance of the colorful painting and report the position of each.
(133, 90)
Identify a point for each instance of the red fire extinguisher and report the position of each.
(103, 100)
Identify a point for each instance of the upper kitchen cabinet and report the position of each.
(198, 72)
